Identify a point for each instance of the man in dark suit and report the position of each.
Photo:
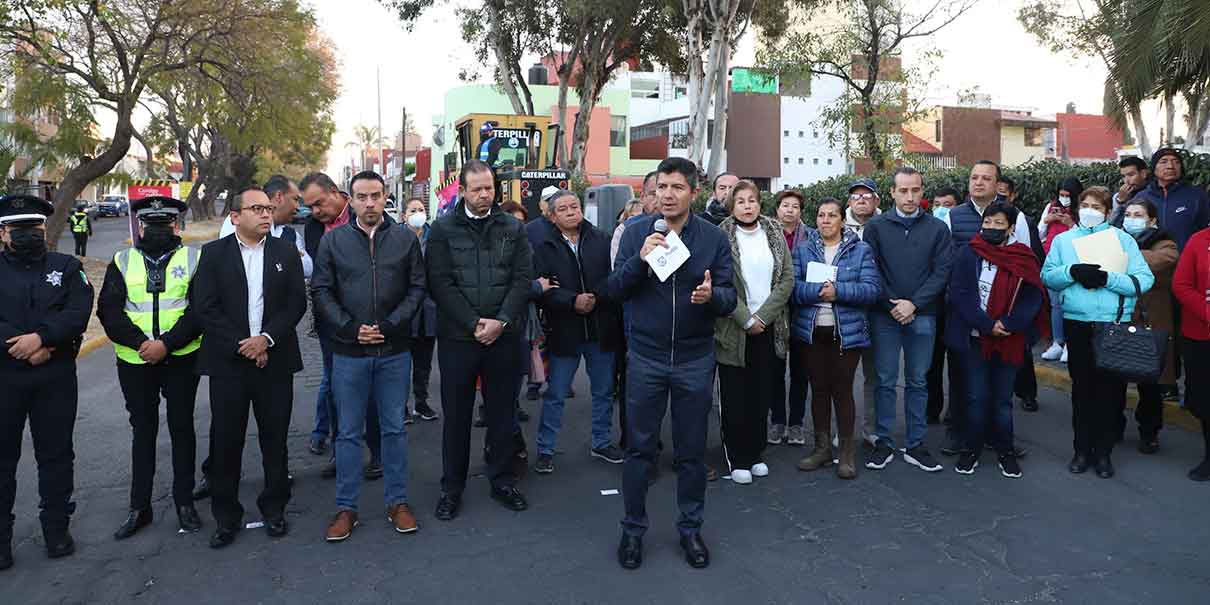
(249, 295)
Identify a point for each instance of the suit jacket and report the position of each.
(220, 299)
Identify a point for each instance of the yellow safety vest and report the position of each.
(79, 222)
(141, 305)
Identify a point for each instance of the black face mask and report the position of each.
(994, 237)
(747, 225)
(158, 239)
(27, 243)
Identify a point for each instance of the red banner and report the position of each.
(138, 192)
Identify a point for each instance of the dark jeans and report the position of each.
(270, 397)
(326, 411)
(46, 395)
(651, 387)
(1097, 398)
(81, 244)
(798, 387)
(422, 368)
(142, 386)
(499, 367)
(989, 409)
(743, 392)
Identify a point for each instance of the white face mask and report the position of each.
(416, 221)
(941, 212)
(1090, 218)
(1134, 224)
(1064, 200)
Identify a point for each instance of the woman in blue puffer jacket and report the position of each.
(830, 318)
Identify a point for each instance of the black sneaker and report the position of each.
(1009, 466)
(610, 453)
(545, 464)
(409, 417)
(1171, 392)
(920, 457)
(1029, 404)
(425, 412)
(373, 470)
(967, 463)
(953, 446)
(881, 456)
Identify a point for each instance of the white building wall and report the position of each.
(806, 155)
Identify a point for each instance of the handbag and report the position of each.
(1135, 352)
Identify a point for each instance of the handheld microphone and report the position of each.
(660, 226)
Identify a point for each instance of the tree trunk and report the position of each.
(721, 100)
(566, 70)
(1140, 131)
(1169, 119)
(504, 77)
(79, 177)
(869, 137)
(700, 88)
(589, 89)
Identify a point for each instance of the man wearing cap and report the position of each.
(1184, 208)
(81, 228)
(144, 308)
(863, 205)
(44, 309)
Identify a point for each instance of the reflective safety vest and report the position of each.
(143, 306)
(79, 222)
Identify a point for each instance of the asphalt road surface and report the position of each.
(895, 536)
(109, 234)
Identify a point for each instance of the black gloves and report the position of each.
(1089, 276)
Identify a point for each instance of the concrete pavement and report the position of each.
(895, 536)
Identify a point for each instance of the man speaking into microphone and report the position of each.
(673, 300)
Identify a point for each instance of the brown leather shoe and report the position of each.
(341, 526)
(403, 519)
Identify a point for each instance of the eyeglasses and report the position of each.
(853, 197)
(258, 209)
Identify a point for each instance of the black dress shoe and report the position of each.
(59, 544)
(630, 552)
(223, 536)
(1079, 464)
(277, 527)
(447, 507)
(1149, 443)
(1104, 467)
(696, 554)
(1029, 405)
(188, 518)
(202, 491)
(136, 520)
(510, 498)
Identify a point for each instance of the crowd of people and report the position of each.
(959, 289)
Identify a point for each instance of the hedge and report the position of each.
(1036, 183)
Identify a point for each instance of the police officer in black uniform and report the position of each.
(144, 308)
(45, 303)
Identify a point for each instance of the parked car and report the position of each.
(113, 205)
(90, 207)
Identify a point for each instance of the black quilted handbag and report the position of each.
(1135, 352)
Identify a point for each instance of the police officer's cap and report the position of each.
(23, 210)
(158, 209)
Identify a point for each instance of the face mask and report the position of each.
(417, 221)
(941, 212)
(994, 237)
(1134, 225)
(158, 238)
(1064, 201)
(27, 243)
(1090, 218)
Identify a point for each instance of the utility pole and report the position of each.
(403, 156)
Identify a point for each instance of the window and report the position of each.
(816, 161)
(1033, 137)
(829, 161)
(815, 134)
(680, 91)
(800, 134)
(800, 161)
(937, 131)
(785, 133)
(617, 131)
(785, 187)
(785, 160)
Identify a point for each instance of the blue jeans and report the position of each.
(1056, 317)
(324, 405)
(358, 382)
(989, 410)
(915, 341)
(600, 377)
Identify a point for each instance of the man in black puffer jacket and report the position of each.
(368, 284)
(479, 273)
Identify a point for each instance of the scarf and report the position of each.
(1015, 264)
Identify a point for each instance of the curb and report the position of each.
(1174, 414)
(92, 344)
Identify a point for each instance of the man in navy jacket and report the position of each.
(671, 344)
(1184, 208)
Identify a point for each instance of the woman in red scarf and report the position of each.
(996, 303)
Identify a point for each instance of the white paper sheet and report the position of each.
(818, 273)
(665, 261)
(1102, 248)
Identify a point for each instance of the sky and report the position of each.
(985, 48)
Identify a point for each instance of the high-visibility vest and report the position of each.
(79, 222)
(141, 305)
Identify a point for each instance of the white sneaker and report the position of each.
(1054, 352)
(741, 476)
(1063, 358)
(760, 469)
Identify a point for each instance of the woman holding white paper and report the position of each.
(836, 279)
(749, 342)
(1090, 294)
